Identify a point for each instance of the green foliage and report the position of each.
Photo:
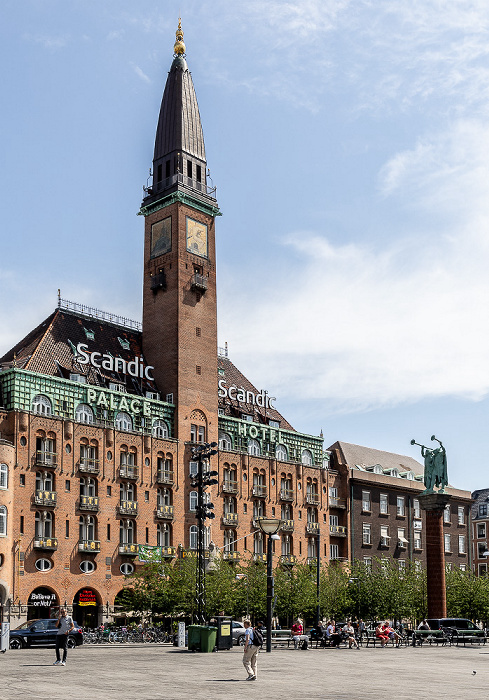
(467, 595)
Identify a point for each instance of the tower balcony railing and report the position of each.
(127, 508)
(286, 495)
(337, 530)
(88, 546)
(199, 282)
(312, 529)
(164, 512)
(179, 178)
(88, 465)
(259, 491)
(229, 486)
(230, 519)
(88, 503)
(46, 459)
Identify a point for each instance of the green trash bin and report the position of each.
(208, 637)
(194, 637)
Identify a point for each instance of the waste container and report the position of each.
(194, 637)
(224, 633)
(208, 638)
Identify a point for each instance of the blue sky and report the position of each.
(349, 142)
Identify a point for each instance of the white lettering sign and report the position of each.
(135, 368)
(263, 400)
(99, 397)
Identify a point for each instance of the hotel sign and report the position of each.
(262, 399)
(136, 368)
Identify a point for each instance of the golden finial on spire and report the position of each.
(179, 46)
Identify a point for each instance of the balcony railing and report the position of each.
(89, 546)
(230, 519)
(312, 561)
(50, 543)
(287, 526)
(164, 512)
(45, 498)
(231, 556)
(260, 557)
(88, 466)
(312, 499)
(312, 528)
(127, 508)
(337, 530)
(259, 491)
(88, 503)
(337, 503)
(46, 459)
(199, 282)
(286, 495)
(164, 477)
(229, 486)
(172, 180)
(288, 559)
(168, 551)
(128, 471)
(130, 549)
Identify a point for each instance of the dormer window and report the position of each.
(90, 334)
(124, 343)
(274, 423)
(246, 416)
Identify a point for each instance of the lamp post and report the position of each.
(270, 527)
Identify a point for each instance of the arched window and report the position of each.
(123, 421)
(41, 405)
(160, 428)
(258, 509)
(229, 505)
(83, 413)
(193, 500)
(3, 476)
(253, 447)
(307, 458)
(127, 491)
(311, 548)
(281, 453)
(286, 512)
(225, 441)
(127, 532)
(312, 515)
(88, 486)
(229, 541)
(3, 521)
(43, 524)
(286, 545)
(394, 472)
(163, 498)
(193, 537)
(258, 543)
(163, 535)
(87, 527)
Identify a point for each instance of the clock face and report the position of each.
(196, 237)
(161, 237)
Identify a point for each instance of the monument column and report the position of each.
(434, 505)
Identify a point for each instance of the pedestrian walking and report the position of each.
(64, 625)
(250, 652)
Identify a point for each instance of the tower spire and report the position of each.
(179, 46)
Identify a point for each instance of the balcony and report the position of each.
(46, 543)
(288, 559)
(127, 508)
(337, 531)
(164, 512)
(260, 557)
(312, 561)
(312, 528)
(46, 459)
(169, 552)
(286, 495)
(337, 503)
(164, 477)
(229, 486)
(131, 549)
(45, 498)
(128, 471)
(88, 503)
(199, 283)
(88, 466)
(231, 556)
(89, 546)
(312, 499)
(230, 519)
(259, 491)
(287, 526)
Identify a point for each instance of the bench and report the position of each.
(420, 637)
(371, 639)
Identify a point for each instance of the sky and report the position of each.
(349, 143)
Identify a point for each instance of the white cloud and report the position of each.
(53, 43)
(141, 74)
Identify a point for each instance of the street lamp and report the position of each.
(270, 527)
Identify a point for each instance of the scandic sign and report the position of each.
(235, 393)
(135, 368)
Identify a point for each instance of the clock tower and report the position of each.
(179, 288)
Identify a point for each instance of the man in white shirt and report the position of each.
(250, 652)
(64, 625)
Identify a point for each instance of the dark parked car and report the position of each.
(42, 633)
(464, 627)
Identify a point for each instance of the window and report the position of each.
(163, 498)
(87, 528)
(193, 500)
(21, 524)
(41, 405)
(461, 544)
(43, 524)
(384, 503)
(281, 453)
(45, 451)
(366, 506)
(402, 542)
(109, 490)
(67, 529)
(333, 521)
(416, 508)
(258, 543)
(193, 468)
(286, 545)
(88, 487)
(417, 540)
(307, 458)
(461, 515)
(67, 485)
(87, 566)
(333, 492)
(193, 537)
(481, 548)
(334, 551)
(253, 447)
(481, 531)
(3, 476)
(463, 567)
(22, 480)
(366, 533)
(83, 414)
(163, 535)
(108, 532)
(160, 429)
(446, 515)
(482, 510)
(367, 561)
(448, 543)
(258, 509)
(225, 441)
(44, 481)
(3, 521)
(127, 569)
(274, 423)
(127, 533)
(482, 569)
(402, 565)
(229, 541)
(384, 536)
(123, 421)
(400, 506)
(418, 567)
(43, 564)
(246, 416)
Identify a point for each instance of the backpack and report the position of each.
(257, 637)
(305, 644)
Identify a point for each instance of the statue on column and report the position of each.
(435, 466)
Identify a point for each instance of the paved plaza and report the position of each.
(159, 671)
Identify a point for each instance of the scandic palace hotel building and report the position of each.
(98, 415)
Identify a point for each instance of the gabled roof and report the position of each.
(234, 408)
(356, 456)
